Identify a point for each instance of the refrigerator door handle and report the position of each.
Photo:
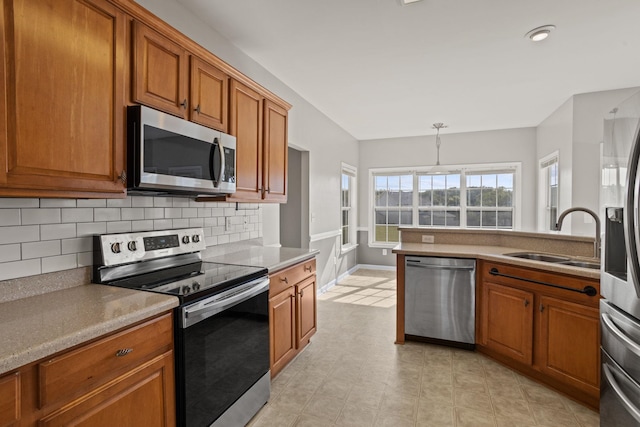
(631, 221)
(623, 398)
(611, 327)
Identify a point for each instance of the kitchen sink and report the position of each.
(583, 264)
(556, 259)
(540, 257)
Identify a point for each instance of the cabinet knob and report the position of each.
(122, 177)
(541, 308)
(526, 303)
(197, 109)
(268, 190)
(285, 280)
(307, 268)
(184, 103)
(301, 293)
(123, 352)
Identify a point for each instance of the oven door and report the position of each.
(222, 356)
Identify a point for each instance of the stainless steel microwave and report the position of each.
(170, 155)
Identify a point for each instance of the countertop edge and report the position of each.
(292, 261)
(64, 342)
(490, 253)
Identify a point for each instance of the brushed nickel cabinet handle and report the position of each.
(123, 352)
(301, 293)
(307, 268)
(197, 109)
(122, 177)
(183, 104)
(285, 280)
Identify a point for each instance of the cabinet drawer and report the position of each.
(77, 371)
(283, 279)
(9, 399)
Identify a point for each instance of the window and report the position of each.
(347, 198)
(481, 196)
(549, 185)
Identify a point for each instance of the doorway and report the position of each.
(294, 215)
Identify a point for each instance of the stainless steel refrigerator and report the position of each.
(620, 278)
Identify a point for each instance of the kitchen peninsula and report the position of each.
(549, 333)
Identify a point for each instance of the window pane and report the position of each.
(505, 180)
(394, 191)
(453, 197)
(473, 218)
(345, 217)
(489, 219)
(381, 233)
(453, 219)
(473, 181)
(406, 218)
(505, 219)
(439, 218)
(393, 234)
(505, 197)
(394, 217)
(473, 197)
(406, 189)
(424, 198)
(345, 235)
(381, 217)
(488, 196)
(439, 197)
(424, 218)
(381, 197)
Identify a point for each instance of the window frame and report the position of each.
(352, 173)
(462, 169)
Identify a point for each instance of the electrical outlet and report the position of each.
(227, 224)
(427, 238)
(384, 252)
(245, 223)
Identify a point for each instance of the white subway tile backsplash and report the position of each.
(80, 244)
(141, 202)
(106, 214)
(162, 224)
(172, 212)
(9, 217)
(9, 253)
(91, 203)
(58, 203)
(40, 216)
(57, 231)
(119, 227)
(153, 213)
(19, 203)
(38, 236)
(145, 225)
(91, 228)
(77, 215)
(40, 249)
(15, 269)
(19, 234)
(129, 214)
(119, 203)
(58, 263)
(181, 223)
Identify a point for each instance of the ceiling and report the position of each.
(380, 69)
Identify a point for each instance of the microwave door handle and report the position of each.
(631, 221)
(222, 165)
(212, 156)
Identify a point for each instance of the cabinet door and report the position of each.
(209, 95)
(246, 125)
(282, 329)
(63, 82)
(569, 343)
(159, 72)
(507, 321)
(275, 152)
(143, 397)
(10, 399)
(306, 310)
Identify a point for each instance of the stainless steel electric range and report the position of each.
(221, 325)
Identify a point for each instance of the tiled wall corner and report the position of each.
(44, 235)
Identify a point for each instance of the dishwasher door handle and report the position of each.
(440, 267)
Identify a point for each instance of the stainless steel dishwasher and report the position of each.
(440, 300)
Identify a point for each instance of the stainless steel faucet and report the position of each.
(596, 243)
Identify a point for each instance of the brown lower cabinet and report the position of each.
(547, 333)
(292, 312)
(125, 378)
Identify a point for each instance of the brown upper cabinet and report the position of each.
(260, 126)
(161, 79)
(63, 88)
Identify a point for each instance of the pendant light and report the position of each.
(437, 168)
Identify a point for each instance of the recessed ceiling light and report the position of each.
(403, 2)
(540, 33)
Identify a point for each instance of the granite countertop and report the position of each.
(271, 258)
(493, 253)
(41, 325)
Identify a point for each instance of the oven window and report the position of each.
(168, 153)
(223, 357)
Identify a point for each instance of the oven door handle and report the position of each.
(199, 311)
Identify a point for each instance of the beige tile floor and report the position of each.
(352, 374)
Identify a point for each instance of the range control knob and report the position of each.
(132, 246)
(186, 290)
(115, 248)
(196, 286)
(195, 238)
(185, 239)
